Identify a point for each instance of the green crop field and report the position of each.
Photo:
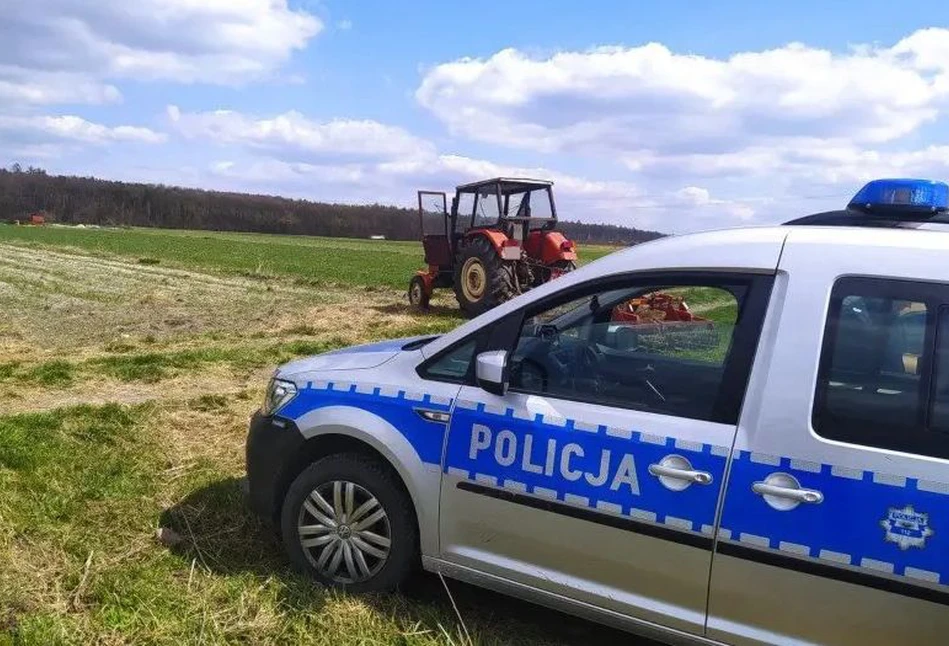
(309, 260)
(130, 362)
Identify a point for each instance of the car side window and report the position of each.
(454, 365)
(883, 382)
(659, 348)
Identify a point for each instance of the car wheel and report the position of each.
(348, 522)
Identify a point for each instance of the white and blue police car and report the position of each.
(773, 470)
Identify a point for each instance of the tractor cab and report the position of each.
(496, 240)
(512, 206)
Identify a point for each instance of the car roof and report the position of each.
(853, 218)
(754, 249)
(745, 249)
(508, 184)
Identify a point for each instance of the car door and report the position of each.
(835, 526)
(597, 475)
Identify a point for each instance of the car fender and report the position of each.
(422, 480)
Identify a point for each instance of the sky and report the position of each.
(674, 116)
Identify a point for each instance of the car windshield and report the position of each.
(575, 312)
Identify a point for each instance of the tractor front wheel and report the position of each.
(482, 279)
(418, 294)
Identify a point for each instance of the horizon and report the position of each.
(278, 196)
(737, 114)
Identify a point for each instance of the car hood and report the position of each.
(357, 357)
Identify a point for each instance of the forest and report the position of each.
(89, 200)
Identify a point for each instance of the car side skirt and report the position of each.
(564, 604)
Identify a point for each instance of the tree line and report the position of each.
(89, 200)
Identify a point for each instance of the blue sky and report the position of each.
(675, 116)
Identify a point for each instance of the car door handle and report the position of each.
(689, 475)
(809, 496)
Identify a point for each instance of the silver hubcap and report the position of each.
(344, 532)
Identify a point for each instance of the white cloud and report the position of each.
(760, 135)
(578, 198)
(615, 99)
(71, 129)
(71, 52)
(344, 25)
(694, 195)
(20, 86)
(396, 182)
(64, 50)
(293, 137)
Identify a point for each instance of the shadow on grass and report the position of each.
(220, 532)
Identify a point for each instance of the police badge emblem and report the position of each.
(906, 527)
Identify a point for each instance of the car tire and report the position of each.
(308, 536)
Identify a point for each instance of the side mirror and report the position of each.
(491, 371)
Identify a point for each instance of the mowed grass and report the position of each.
(84, 490)
(306, 260)
(126, 392)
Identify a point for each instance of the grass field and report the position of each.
(130, 362)
(304, 260)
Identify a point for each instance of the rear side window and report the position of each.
(879, 383)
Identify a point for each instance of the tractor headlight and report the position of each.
(279, 394)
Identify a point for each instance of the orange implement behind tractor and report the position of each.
(658, 307)
(498, 240)
(660, 319)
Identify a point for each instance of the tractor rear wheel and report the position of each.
(418, 295)
(482, 279)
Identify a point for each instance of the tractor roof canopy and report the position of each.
(507, 185)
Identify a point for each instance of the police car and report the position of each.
(774, 471)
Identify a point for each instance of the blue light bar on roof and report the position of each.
(918, 195)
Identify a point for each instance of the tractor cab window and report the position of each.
(532, 204)
(486, 208)
(465, 211)
(660, 349)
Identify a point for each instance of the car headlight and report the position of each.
(279, 394)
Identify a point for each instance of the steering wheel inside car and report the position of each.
(590, 370)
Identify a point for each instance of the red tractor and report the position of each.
(498, 240)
